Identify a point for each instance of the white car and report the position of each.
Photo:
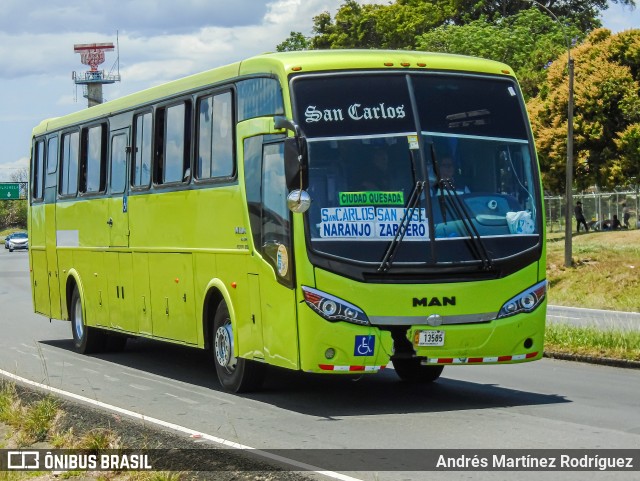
(19, 241)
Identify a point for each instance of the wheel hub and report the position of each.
(224, 347)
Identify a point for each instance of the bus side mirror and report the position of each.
(295, 163)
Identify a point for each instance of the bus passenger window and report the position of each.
(69, 167)
(52, 155)
(38, 171)
(118, 163)
(215, 137)
(259, 97)
(93, 160)
(142, 149)
(176, 146)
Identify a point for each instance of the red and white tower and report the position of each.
(93, 54)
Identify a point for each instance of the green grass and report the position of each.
(605, 272)
(35, 421)
(593, 342)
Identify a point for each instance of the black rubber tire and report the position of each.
(86, 339)
(235, 374)
(410, 370)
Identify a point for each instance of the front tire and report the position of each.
(236, 374)
(86, 339)
(410, 370)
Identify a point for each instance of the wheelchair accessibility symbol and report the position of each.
(365, 346)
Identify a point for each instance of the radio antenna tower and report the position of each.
(92, 80)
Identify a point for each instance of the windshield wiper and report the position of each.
(448, 192)
(412, 204)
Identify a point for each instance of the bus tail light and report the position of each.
(333, 308)
(526, 301)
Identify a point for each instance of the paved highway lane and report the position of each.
(546, 404)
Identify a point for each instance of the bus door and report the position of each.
(50, 195)
(118, 262)
(271, 270)
(118, 220)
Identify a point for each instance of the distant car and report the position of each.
(6, 239)
(19, 240)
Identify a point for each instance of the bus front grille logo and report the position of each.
(434, 301)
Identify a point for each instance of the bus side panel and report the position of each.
(40, 282)
(142, 293)
(38, 260)
(52, 259)
(121, 293)
(90, 267)
(279, 323)
(172, 299)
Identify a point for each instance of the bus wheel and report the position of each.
(85, 339)
(235, 373)
(412, 371)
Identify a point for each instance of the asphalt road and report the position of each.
(548, 404)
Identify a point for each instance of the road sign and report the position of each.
(9, 191)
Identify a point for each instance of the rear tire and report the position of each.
(410, 370)
(86, 339)
(236, 374)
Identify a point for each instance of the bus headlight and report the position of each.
(333, 308)
(526, 301)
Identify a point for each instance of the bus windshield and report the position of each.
(463, 139)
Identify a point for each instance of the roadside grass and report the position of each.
(605, 274)
(592, 342)
(36, 423)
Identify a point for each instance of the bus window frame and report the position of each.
(38, 175)
(127, 159)
(61, 170)
(196, 137)
(133, 187)
(49, 138)
(83, 160)
(158, 172)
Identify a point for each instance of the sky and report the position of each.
(159, 40)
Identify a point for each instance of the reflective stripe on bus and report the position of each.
(479, 360)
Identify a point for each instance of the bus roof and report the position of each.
(283, 64)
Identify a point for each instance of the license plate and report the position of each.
(429, 338)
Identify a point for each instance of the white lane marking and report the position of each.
(563, 317)
(21, 352)
(183, 399)
(182, 429)
(111, 378)
(139, 387)
(173, 386)
(92, 371)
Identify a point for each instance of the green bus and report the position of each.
(323, 211)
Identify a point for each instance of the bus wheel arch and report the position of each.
(86, 339)
(236, 374)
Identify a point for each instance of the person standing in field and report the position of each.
(626, 215)
(580, 217)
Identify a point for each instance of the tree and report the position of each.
(583, 13)
(396, 25)
(392, 26)
(296, 41)
(526, 41)
(606, 105)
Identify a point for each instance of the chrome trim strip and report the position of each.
(423, 320)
